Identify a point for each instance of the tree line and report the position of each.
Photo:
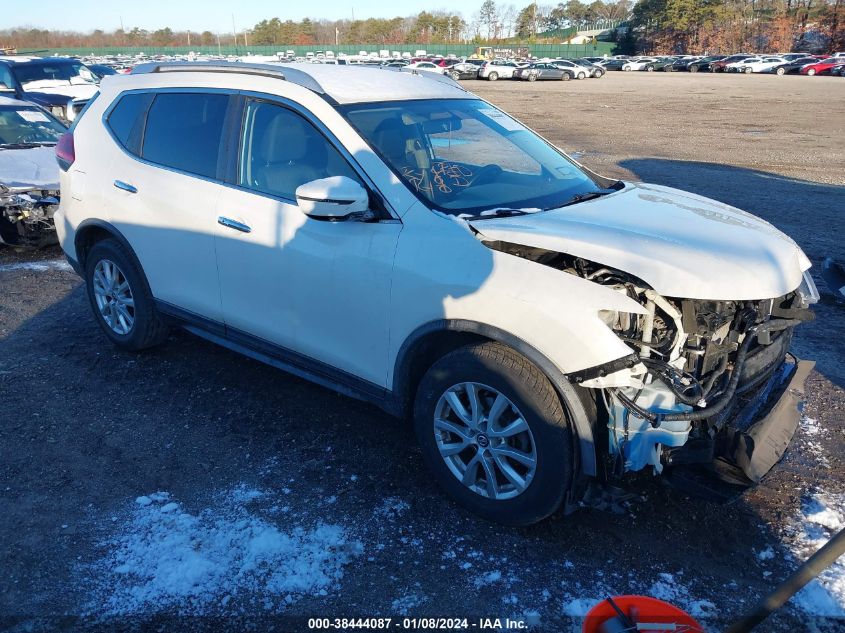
(650, 26)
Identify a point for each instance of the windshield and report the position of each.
(24, 125)
(463, 156)
(71, 72)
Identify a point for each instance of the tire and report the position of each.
(495, 369)
(599, 74)
(780, 71)
(455, 76)
(492, 76)
(811, 72)
(532, 77)
(649, 69)
(565, 77)
(693, 69)
(627, 69)
(582, 76)
(147, 328)
(748, 71)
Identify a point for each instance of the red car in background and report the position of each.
(823, 66)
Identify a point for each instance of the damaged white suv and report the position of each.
(392, 236)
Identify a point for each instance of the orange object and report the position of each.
(641, 610)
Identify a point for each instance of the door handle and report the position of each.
(125, 186)
(233, 224)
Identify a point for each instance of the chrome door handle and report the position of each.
(125, 186)
(233, 224)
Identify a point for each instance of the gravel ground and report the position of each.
(140, 488)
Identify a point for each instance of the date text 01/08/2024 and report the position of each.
(442, 624)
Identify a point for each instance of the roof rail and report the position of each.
(243, 68)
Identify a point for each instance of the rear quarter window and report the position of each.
(184, 131)
(126, 120)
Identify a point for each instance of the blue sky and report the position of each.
(199, 15)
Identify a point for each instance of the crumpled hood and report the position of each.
(681, 244)
(35, 167)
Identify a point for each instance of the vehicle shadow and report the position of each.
(811, 213)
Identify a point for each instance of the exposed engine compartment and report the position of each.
(26, 216)
(699, 365)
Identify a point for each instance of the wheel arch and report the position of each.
(91, 231)
(433, 340)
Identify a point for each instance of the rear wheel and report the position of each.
(693, 69)
(564, 77)
(649, 68)
(121, 299)
(495, 434)
(748, 71)
(532, 77)
(455, 75)
(582, 75)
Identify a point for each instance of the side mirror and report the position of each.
(333, 198)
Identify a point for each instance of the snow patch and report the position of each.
(822, 515)
(405, 604)
(163, 558)
(38, 267)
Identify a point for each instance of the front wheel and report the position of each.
(582, 75)
(121, 299)
(649, 69)
(780, 71)
(811, 72)
(494, 434)
(564, 77)
(693, 69)
(493, 76)
(532, 77)
(748, 71)
(455, 75)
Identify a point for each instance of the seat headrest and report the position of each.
(285, 138)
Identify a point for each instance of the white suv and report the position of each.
(393, 237)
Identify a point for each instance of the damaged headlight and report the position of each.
(807, 290)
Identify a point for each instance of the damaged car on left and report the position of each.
(29, 175)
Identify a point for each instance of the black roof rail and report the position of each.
(284, 73)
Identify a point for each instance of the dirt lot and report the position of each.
(179, 482)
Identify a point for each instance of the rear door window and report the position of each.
(184, 131)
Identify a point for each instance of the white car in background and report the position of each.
(755, 65)
(395, 238)
(498, 69)
(639, 63)
(427, 67)
(578, 71)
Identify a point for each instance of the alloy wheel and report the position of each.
(485, 441)
(114, 297)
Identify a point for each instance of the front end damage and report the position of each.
(710, 395)
(26, 216)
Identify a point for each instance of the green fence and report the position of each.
(461, 50)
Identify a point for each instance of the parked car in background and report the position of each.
(790, 67)
(498, 69)
(461, 70)
(756, 64)
(101, 70)
(579, 71)
(542, 71)
(682, 63)
(703, 64)
(822, 67)
(428, 67)
(596, 71)
(29, 175)
(639, 63)
(663, 64)
(399, 240)
(612, 64)
(721, 65)
(61, 85)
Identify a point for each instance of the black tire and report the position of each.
(148, 328)
(503, 369)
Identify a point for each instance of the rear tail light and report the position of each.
(65, 151)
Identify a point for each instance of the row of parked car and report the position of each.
(781, 64)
